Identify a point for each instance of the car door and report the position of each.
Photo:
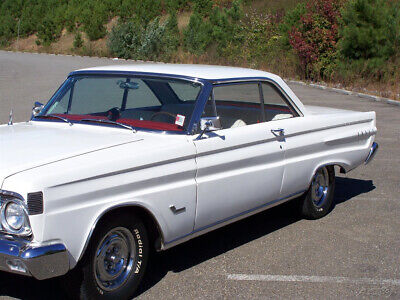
(282, 115)
(240, 167)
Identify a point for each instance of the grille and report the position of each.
(35, 203)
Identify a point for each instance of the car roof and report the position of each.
(208, 72)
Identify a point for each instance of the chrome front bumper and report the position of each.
(372, 152)
(42, 261)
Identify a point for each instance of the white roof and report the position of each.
(196, 71)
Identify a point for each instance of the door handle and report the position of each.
(278, 132)
(177, 210)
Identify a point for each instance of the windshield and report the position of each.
(140, 102)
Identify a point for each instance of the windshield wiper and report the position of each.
(54, 116)
(110, 122)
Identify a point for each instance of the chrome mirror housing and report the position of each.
(37, 108)
(210, 124)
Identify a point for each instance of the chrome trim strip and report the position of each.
(12, 194)
(220, 132)
(134, 169)
(237, 216)
(372, 152)
(260, 79)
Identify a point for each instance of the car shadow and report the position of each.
(193, 252)
(222, 240)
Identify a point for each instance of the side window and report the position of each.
(238, 104)
(275, 106)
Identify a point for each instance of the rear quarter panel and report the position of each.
(340, 138)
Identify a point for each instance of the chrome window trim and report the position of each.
(203, 83)
(260, 79)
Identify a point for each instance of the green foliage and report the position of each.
(143, 10)
(48, 31)
(176, 5)
(291, 19)
(78, 41)
(125, 39)
(93, 18)
(8, 28)
(203, 7)
(157, 40)
(198, 34)
(370, 29)
(219, 29)
(370, 40)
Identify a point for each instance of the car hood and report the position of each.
(28, 145)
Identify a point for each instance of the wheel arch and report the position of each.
(343, 167)
(153, 227)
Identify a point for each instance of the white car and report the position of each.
(127, 158)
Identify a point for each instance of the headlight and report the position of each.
(15, 215)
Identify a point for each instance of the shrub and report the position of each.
(291, 20)
(93, 17)
(78, 41)
(144, 10)
(370, 29)
(175, 5)
(125, 39)
(203, 7)
(48, 31)
(155, 41)
(197, 35)
(153, 44)
(171, 38)
(314, 39)
(8, 28)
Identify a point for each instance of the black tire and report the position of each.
(87, 279)
(309, 206)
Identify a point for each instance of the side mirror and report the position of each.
(209, 124)
(37, 108)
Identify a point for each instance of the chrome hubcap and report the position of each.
(320, 187)
(114, 258)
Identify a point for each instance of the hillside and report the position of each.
(346, 43)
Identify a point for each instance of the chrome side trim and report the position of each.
(39, 260)
(372, 152)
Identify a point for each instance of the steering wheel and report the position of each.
(172, 115)
(114, 114)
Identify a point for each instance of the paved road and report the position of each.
(353, 252)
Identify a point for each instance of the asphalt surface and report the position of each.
(351, 253)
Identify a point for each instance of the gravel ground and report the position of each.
(351, 253)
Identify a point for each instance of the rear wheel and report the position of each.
(318, 201)
(115, 261)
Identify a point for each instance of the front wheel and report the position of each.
(115, 260)
(318, 200)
